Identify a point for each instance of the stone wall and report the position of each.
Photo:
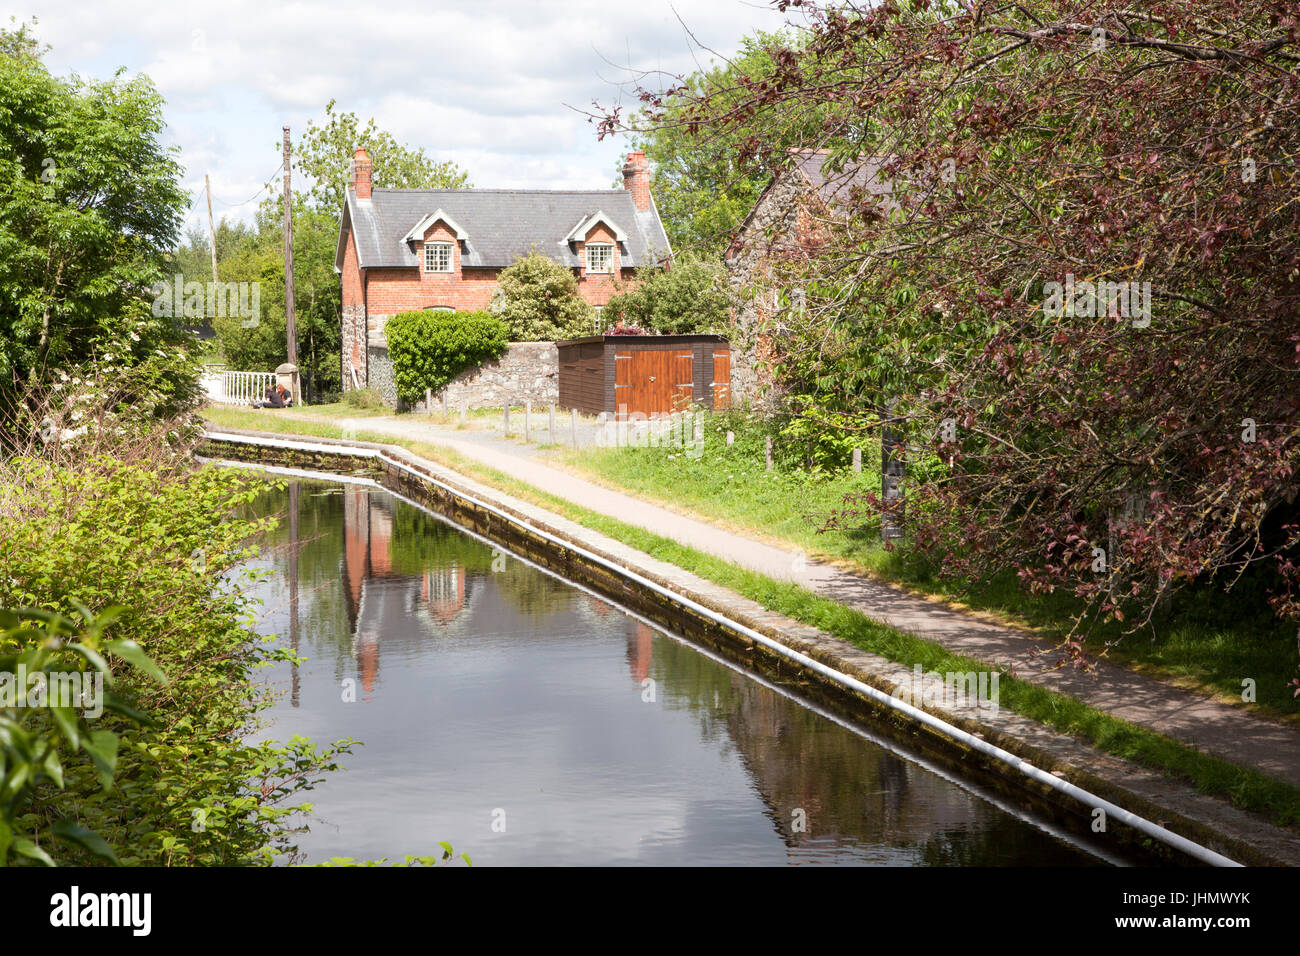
(527, 372)
(770, 236)
(382, 379)
(353, 350)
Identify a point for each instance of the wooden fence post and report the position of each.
(891, 477)
(769, 453)
(528, 414)
(428, 402)
(573, 414)
(857, 460)
(507, 420)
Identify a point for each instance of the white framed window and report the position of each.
(438, 257)
(600, 257)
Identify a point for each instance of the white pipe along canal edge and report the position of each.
(1154, 830)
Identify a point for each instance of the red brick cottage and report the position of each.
(405, 249)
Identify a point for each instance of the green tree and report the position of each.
(706, 179)
(689, 297)
(538, 300)
(1060, 438)
(254, 253)
(90, 206)
(324, 153)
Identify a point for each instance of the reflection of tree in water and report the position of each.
(531, 592)
(323, 613)
(848, 789)
(796, 759)
(1002, 840)
(685, 679)
(419, 542)
(852, 792)
(855, 792)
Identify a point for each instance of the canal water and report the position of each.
(526, 721)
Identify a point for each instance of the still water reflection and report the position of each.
(487, 692)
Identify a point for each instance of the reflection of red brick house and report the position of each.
(365, 542)
(640, 651)
(402, 250)
(376, 597)
(442, 590)
(788, 226)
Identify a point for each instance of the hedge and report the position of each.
(429, 348)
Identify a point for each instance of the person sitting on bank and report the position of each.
(277, 396)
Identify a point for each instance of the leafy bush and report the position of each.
(158, 538)
(538, 300)
(689, 297)
(137, 412)
(429, 349)
(68, 664)
(809, 430)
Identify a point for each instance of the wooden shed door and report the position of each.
(721, 379)
(651, 381)
(683, 381)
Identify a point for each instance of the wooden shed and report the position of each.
(650, 374)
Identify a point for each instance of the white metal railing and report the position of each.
(242, 388)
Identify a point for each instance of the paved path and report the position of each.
(1221, 729)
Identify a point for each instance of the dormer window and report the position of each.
(438, 257)
(600, 257)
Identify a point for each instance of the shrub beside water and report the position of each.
(429, 349)
(113, 517)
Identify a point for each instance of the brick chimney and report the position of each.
(636, 179)
(361, 173)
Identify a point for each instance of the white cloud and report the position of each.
(485, 86)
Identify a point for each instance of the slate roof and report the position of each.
(501, 224)
(834, 188)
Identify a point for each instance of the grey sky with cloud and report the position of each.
(488, 86)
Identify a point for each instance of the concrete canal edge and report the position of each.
(800, 656)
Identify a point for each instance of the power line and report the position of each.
(265, 187)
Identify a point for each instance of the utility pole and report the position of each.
(290, 325)
(212, 234)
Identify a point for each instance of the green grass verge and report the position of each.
(1244, 787)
